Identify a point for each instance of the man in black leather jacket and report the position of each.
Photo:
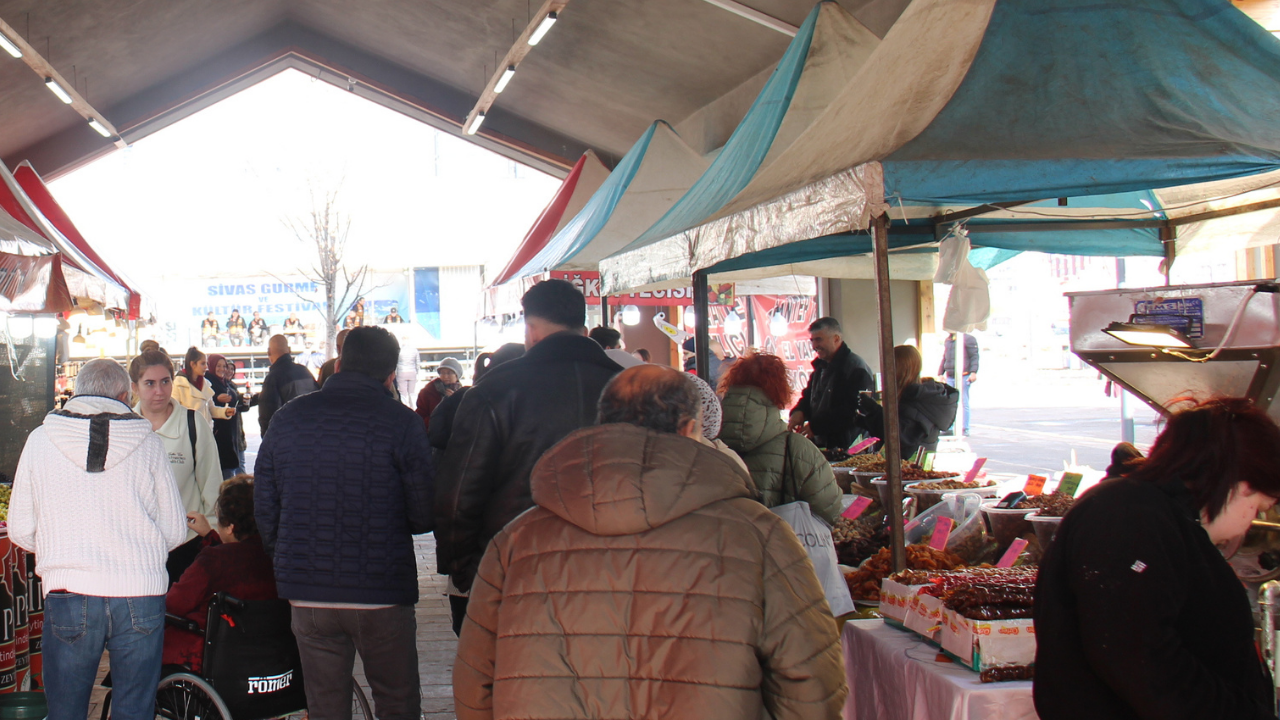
(506, 422)
(828, 409)
(285, 381)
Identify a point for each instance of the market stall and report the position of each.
(1187, 109)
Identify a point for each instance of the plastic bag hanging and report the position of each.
(969, 304)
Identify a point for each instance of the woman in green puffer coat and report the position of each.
(785, 466)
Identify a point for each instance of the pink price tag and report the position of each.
(863, 445)
(941, 531)
(973, 471)
(856, 508)
(1011, 555)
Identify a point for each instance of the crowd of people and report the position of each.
(606, 530)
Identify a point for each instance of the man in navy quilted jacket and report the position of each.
(343, 480)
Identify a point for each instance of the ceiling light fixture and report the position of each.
(9, 46)
(475, 123)
(58, 90)
(543, 28)
(1157, 336)
(99, 127)
(507, 74)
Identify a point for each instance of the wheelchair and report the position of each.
(251, 670)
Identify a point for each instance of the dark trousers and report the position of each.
(328, 640)
(458, 606)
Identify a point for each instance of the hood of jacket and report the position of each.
(749, 419)
(95, 433)
(935, 401)
(622, 479)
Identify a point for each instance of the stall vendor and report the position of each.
(828, 409)
(1138, 615)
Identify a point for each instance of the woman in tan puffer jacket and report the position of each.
(785, 466)
(647, 582)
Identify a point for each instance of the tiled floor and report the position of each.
(436, 642)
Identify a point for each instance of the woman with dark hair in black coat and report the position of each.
(1138, 615)
(229, 432)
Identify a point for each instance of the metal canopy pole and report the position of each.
(702, 325)
(889, 394)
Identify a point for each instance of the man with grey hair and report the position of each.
(827, 412)
(646, 545)
(95, 500)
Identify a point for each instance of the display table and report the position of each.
(895, 675)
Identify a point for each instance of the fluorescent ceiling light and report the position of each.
(9, 46)
(543, 28)
(99, 127)
(58, 90)
(1157, 336)
(475, 123)
(507, 74)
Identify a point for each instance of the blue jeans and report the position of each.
(78, 628)
(964, 417)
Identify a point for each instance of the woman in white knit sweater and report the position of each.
(193, 458)
(192, 391)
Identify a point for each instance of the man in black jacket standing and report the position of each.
(828, 409)
(505, 423)
(342, 482)
(285, 381)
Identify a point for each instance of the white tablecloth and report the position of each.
(895, 675)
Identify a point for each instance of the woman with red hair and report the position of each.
(785, 466)
(1137, 612)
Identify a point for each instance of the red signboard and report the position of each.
(589, 283)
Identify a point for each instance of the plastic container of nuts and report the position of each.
(929, 492)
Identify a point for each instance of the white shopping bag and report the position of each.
(969, 303)
(815, 536)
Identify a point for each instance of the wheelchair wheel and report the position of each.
(360, 709)
(183, 696)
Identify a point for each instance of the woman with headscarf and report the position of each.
(925, 407)
(713, 419)
(192, 391)
(226, 431)
(785, 466)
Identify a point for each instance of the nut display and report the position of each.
(1054, 505)
(952, 485)
(857, 540)
(864, 584)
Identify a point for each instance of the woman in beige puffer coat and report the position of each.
(646, 583)
(785, 466)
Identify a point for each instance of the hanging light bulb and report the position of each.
(690, 318)
(630, 315)
(778, 325)
(79, 338)
(733, 323)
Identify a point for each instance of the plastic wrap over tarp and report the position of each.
(842, 203)
(18, 239)
(33, 284)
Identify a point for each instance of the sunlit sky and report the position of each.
(211, 195)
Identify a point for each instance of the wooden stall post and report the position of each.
(889, 394)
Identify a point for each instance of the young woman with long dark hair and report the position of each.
(1138, 615)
